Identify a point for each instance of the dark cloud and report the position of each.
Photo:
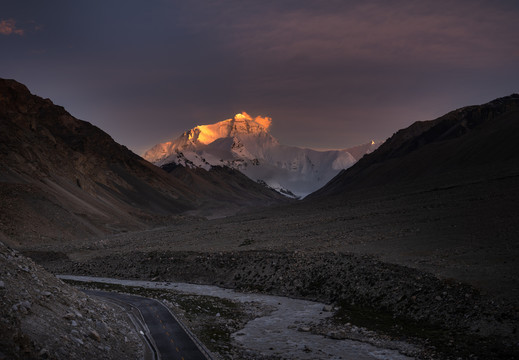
(329, 73)
(455, 33)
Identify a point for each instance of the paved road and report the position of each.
(170, 338)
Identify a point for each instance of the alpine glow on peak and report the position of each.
(245, 143)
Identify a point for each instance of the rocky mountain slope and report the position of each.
(245, 143)
(471, 144)
(63, 178)
(224, 191)
(43, 318)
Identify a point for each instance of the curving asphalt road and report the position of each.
(171, 341)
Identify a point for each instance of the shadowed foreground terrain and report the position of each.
(418, 240)
(411, 255)
(433, 243)
(43, 318)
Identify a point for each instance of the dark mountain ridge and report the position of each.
(468, 144)
(63, 177)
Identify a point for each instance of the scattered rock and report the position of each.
(79, 341)
(95, 335)
(32, 327)
(44, 354)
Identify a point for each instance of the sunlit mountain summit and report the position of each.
(245, 143)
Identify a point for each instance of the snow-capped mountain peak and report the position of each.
(245, 143)
(240, 125)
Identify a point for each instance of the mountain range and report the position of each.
(421, 231)
(244, 143)
(62, 178)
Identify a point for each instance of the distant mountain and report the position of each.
(245, 144)
(61, 177)
(470, 144)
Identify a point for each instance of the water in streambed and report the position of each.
(276, 334)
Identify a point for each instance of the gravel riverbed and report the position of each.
(286, 331)
(448, 319)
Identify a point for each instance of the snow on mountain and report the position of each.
(245, 143)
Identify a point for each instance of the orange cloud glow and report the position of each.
(8, 27)
(264, 122)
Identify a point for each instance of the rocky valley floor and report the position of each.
(434, 265)
(237, 325)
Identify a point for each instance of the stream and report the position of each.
(276, 334)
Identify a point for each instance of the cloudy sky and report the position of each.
(331, 74)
